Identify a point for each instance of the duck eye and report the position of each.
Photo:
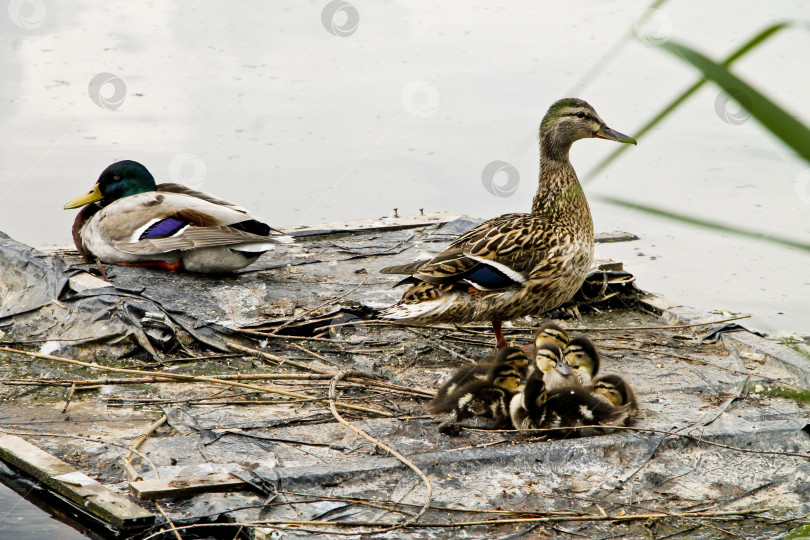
(580, 114)
(116, 177)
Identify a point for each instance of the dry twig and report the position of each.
(396, 454)
(179, 376)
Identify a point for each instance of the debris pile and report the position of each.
(271, 399)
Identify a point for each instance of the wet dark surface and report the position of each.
(717, 441)
(25, 514)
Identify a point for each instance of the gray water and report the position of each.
(307, 113)
(21, 519)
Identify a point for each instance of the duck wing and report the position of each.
(497, 254)
(202, 195)
(195, 238)
(161, 221)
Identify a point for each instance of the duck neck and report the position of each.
(558, 187)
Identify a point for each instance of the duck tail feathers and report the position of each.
(430, 310)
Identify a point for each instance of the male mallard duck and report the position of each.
(511, 356)
(515, 264)
(583, 358)
(480, 404)
(616, 391)
(136, 222)
(550, 363)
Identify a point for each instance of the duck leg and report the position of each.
(500, 341)
(174, 267)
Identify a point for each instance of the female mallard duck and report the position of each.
(550, 363)
(511, 356)
(136, 222)
(583, 358)
(480, 404)
(616, 391)
(515, 264)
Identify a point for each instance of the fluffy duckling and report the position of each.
(532, 398)
(551, 333)
(583, 359)
(549, 361)
(573, 406)
(478, 372)
(577, 407)
(480, 404)
(614, 389)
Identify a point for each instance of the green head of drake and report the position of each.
(121, 179)
(569, 120)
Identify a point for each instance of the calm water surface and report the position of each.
(261, 102)
(21, 519)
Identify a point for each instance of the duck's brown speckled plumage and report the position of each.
(481, 403)
(514, 357)
(542, 257)
(583, 358)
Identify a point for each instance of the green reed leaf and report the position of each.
(749, 45)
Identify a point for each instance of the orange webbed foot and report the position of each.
(174, 267)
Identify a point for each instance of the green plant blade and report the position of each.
(713, 225)
(666, 111)
(775, 119)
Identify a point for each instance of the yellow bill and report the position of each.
(91, 197)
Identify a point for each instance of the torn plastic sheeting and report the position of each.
(556, 453)
(82, 321)
(29, 279)
(456, 474)
(106, 303)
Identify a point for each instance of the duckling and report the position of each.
(549, 361)
(576, 407)
(515, 264)
(478, 372)
(532, 398)
(480, 404)
(617, 392)
(583, 358)
(551, 333)
(548, 333)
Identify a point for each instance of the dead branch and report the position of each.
(178, 376)
(392, 451)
